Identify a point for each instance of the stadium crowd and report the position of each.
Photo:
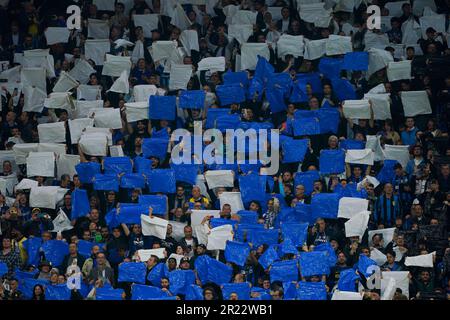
(274, 66)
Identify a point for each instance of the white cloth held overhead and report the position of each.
(52, 132)
(121, 85)
(136, 111)
(56, 35)
(234, 199)
(240, 32)
(399, 153)
(96, 50)
(81, 71)
(114, 66)
(381, 105)
(399, 70)
(41, 164)
(180, 74)
(148, 22)
(65, 164)
(154, 226)
(288, 44)
(46, 197)
(218, 237)
(336, 45)
(250, 52)
(364, 156)
(357, 225)
(388, 235)
(356, 109)
(189, 40)
(415, 103)
(424, 260)
(145, 254)
(349, 207)
(219, 178)
(108, 118)
(65, 83)
(77, 126)
(98, 29)
(142, 93)
(213, 64)
(61, 222)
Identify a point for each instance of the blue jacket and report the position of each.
(409, 137)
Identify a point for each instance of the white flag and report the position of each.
(349, 207)
(219, 178)
(154, 226)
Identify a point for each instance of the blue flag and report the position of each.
(213, 114)
(247, 216)
(85, 248)
(26, 286)
(349, 144)
(284, 271)
(307, 179)
(142, 292)
(329, 119)
(180, 280)
(108, 294)
(356, 61)
(306, 126)
(3, 269)
(157, 272)
(325, 205)
(55, 251)
(211, 270)
(132, 181)
(163, 107)
(57, 292)
(142, 164)
(299, 92)
(294, 150)
(330, 67)
(363, 265)
(217, 222)
(117, 165)
(132, 272)
(276, 99)
(194, 292)
(313, 79)
(387, 172)
(106, 182)
(343, 89)
(252, 187)
(268, 257)
(162, 180)
(158, 203)
(242, 290)
(130, 213)
(186, 172)
(262, 236)
(332, 161)
(80, 204)
(230, 121)
(326, 247)
(237, 252)
(287, 247)
(20, 275)
(314, 263)
(87, 170)
(264, 70)
(304, 213)
(286, 215)
(235, 78)
(296, 232)
(311, 291)
(244, 229)
(255, 89)
(155, 147)
(347, 280)
(229, 94)
(32, 246)
(192, 99)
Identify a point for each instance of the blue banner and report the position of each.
(326, 247)
(252, 187)
(106, 182)
(180, 280)
(244, 229)
(55, 251)
(343, 89)
(158, 203)
(347, 280)
(80, 204)
(330, 67)
(235, 78)
(294, 150)
(194, 292)
(130, 213)
(332, 161)
(306, 126)
(363, 265)
(356, 61)
(57, 292)
(211, 270)
(230, 121)
(132, 181)
(132, 272)
(307, 179)
(142, 164)
(242, 290)
(311, 291)
(299, 93)
(325, 205)
(265, 236)
(32, 246)
(247, 216)
(142, 292)
(287, 247)
(268, 257)
(329, 119)
(229, 94)
(218, 222)
(387, 172)
(284, 271)
(87, 170)
(117, 165)
(85, 248)
(161, 180)
(186, 172)
(264, 70)
(154, 147)
(296, 232)
(192, 99)
(212, 115)
(313, 79)
(237, 252)
(108, 294)
(157, 272)
(314, 263)
(163, 107)
(349, 144)
(3, 269)
(26, 286)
